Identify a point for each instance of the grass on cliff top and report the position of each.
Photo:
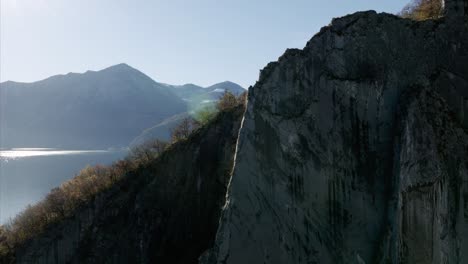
(63, 202)
(420, 10)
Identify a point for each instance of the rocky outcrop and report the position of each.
(355, 149)
(165, 212)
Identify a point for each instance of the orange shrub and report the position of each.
(423, 9)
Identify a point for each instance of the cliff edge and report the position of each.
(355, 149)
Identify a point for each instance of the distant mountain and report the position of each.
(190, 91)
(102, 109)
(197, 96)
(113, 107)
(228, 86)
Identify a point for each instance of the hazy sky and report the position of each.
(172, 41)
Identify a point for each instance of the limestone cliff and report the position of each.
(165, 212)
(355, 149)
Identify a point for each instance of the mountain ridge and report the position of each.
(99, 109)
(97, 99)
(119, 68)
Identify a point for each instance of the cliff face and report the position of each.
(166, 212)
(430, 221)
(354, 149)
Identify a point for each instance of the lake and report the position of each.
(28, 174)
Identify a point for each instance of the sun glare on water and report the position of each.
(37, 152)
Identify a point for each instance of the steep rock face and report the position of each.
(431, 191)
(343, 159)
(166, 212)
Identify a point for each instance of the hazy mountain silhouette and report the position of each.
(97, 109)
(102, 109)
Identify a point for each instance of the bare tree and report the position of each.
(242, 98)
(227, 101)
(182, 130)
(149, 150)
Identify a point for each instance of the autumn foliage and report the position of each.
(423, 9)
(60, 203)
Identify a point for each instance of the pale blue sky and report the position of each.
(172, 41)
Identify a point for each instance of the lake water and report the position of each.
(28, 174)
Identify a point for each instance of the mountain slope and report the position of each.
(163, 211)
(100, 109)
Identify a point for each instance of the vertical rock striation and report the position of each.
(431, 192)
(354, 149)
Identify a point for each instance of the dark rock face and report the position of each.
(431, 191)
(354, 150)
(166, 212)
(455, 8)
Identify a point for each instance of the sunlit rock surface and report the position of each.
(354, 149)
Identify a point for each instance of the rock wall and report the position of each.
(354, 149)
(431, 191)
(165, 212)
(454, 8)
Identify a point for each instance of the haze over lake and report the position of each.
(28, 174)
